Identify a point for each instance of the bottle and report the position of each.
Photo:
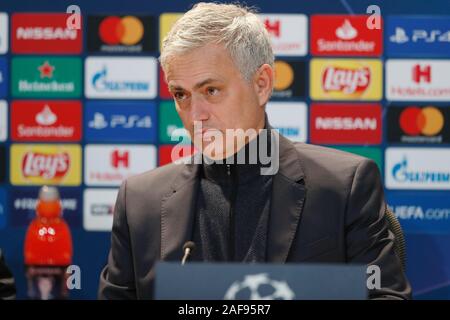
(48, 249)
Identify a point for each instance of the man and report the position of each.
(318, 205)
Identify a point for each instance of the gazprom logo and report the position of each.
(401, 173)
(101, 82)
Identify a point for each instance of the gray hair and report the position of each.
(236, 27)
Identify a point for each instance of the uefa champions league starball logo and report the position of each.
(259, 287)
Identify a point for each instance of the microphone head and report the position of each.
(189, 245)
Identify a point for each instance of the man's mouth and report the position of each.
(207, 134)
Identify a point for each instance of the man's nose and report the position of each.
(199, 108)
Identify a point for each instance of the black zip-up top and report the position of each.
(232, 212)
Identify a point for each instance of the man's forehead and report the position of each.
(191, 69)
(198, 67)
(195, 83)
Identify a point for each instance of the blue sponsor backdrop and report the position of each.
(425, 36)
(120, 122)
(429, 213)
(3, 77)
(23, 204)
(3, 208)
(428, 251)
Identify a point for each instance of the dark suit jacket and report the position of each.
(327, 207)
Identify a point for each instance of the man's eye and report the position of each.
(212, 91)
(179, 95)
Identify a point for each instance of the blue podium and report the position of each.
(233, 281)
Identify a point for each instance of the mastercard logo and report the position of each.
(427, 121)
(284, 75)
(127, 30)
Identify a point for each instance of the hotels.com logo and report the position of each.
(46, 166)
(417, 80)
(288, 33)
(421, 73)
(109, 165)
(346, 80)
(120, 159)
(273, 27)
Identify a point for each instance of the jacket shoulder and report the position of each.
(327, 165)
(316, 152)
(158, 180)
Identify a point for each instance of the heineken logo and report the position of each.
(57, 77)
(27, 86)
(46, 70)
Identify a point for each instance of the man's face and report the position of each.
(208, 89)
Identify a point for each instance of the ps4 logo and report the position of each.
(120, 121)
(420, 35)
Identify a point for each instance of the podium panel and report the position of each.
(234, 281)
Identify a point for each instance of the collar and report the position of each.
(234, 168)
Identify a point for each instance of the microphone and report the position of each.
(188, 247)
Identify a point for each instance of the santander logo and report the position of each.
(346, 80)
(346, 31)
(46, 117)
(344, 35)
(46, 166)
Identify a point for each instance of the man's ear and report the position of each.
(263, 83)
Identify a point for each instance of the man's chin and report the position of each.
(217, 153)
(211, 150)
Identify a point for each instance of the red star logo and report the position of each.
(46, 70)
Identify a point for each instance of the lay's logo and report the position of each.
(346, 80)
(45, 164)
(342, 79)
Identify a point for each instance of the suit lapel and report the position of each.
(177, 213)
(288, 197)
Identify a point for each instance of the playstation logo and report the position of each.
(98, 122)
(399, 36)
